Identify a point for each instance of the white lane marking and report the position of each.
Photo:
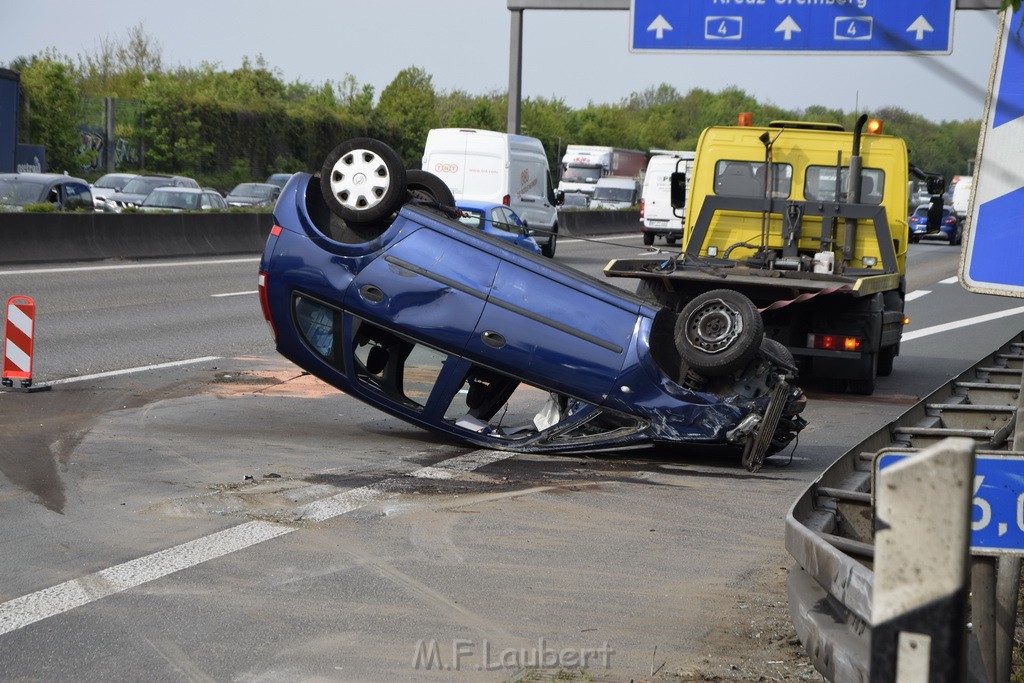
(950, 280)
(48, 602)
(127, 266)
(255, 291)
(917, 294)
(128, 371)
(946, 327)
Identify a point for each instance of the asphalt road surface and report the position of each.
(186, 505)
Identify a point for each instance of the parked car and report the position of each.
(254, 194)
(279, 179)
(107, 185)
(183, 199)
(950, 227)
(66, 193)
(139, 187)
(387, 296)
(574, 201)
(497, 220)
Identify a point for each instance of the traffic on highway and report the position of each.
(214, 510)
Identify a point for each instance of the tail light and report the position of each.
(834, 342)
(506, 200)
(265, 304)
(641, 209)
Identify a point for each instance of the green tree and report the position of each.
(52, 103)
(406, 111)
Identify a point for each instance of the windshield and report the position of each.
(260, 190)
(20, 192)
(144, 185)
(112, 181)
(581, 174)
(614, 194)
(170, 199)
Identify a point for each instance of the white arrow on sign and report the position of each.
(787, 27)
(920, 26)
(659, 26)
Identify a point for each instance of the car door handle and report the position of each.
(492, 339)
(371, 293)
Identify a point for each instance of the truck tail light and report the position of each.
(265, 303)
(833, 342)
(506, 200)
(641, 209)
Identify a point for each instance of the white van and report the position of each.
(615, 193)
(962, 196)
(657, 217)
(486, 166)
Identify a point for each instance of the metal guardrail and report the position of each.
(830, 531)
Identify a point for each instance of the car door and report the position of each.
(552, 334)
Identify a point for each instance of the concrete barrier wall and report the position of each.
(53, 237)
(598, 222)
(49, 237)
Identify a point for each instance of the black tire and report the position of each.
(427, 187)
(363, 181)
(886, 356)
(915, 240)
(549, 248)
(670, 240)
(718, 332)
(648, 239)
(777, 353)
(958, 236)
(865, 385)
(655, 293)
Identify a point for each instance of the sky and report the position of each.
(576, 56)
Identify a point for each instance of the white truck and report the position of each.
(488, 166)
(657, 217)
(583, 166)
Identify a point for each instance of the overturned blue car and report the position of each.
(371, 283)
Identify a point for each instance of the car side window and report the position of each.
(207, 202)
(77, 196)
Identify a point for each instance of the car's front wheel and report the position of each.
(363, 180)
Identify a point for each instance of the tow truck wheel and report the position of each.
(363, 180)
(427, 187)
(718, 332)
(648, 239)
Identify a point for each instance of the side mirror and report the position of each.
(560, 197)
(677, 193)
(936, 185)
(935, 214)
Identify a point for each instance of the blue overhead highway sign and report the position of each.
(802, 26)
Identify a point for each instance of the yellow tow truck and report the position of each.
(809, 222)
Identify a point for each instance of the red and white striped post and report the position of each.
(18, 341)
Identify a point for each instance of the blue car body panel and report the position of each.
(487, 311)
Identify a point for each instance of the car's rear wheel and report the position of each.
(718, 332)
(363, 180)
(648, 239)
(427, 187)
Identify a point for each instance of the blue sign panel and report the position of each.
(10, 98)
(805, 26)
(994, 240)
(997, 512)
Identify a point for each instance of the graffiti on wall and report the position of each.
(94, 142)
